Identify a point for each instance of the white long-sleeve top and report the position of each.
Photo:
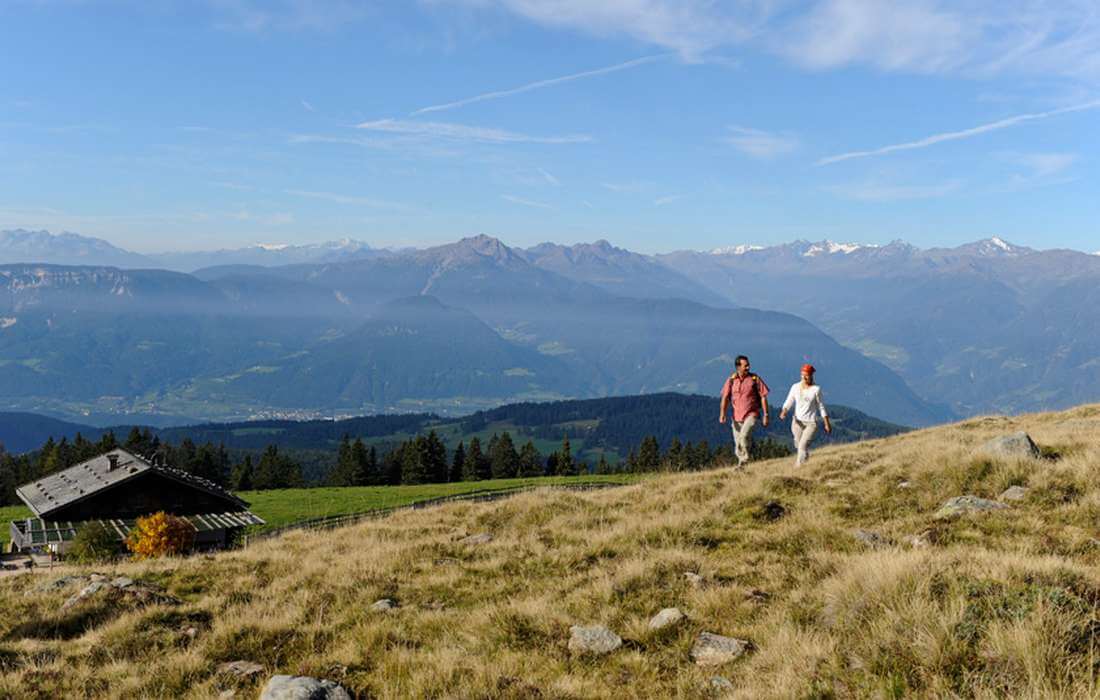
(806, 401)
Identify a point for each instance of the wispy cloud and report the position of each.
(462, 132)
(760, 144)
(662, 201)
(538, 84)
(1041, 165)
(550, 179)
(346, 199)
(308, 107)
(525, 202)
(626, 187)
(958, 135)
(886, 192)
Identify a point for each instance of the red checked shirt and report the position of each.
(745, 394)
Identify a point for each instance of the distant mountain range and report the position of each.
(984, 327)
(449, 329)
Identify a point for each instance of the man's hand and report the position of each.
(722, 418)
(764, 420)
(828, 426)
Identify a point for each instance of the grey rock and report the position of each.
(483, 538)
(1015, 445)
(593, 639)
(872, 539)
(967, 504)
(666, 617)
(56, 585)
(1014, 493)
(302, 688)
(721, 684)
(904, 485)
(122, 582)
(924, 539)
(240, 669)
(693, 579)
(134, 594)
(97, 577)
(384, 605)
(83, 594)
(714, 649)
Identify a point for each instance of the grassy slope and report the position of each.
(284, 506)
(1001, 604)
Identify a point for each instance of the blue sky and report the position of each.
(656, 124)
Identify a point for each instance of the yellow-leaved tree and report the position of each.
(159, 534)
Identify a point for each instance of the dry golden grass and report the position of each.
(1002, 604)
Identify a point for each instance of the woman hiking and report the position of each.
(805, 397)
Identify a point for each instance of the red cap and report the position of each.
(808, 369)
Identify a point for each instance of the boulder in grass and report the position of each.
(665, 618)
(714, 649)
(694, 580)
(1017, 444)
(240, 669)
(302, 688)
(483, 538)
(958, 505)
(721, 684)
(383, 605)
(593, 639)
(872, 539)
(1014, 493)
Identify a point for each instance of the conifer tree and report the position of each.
(674, 456)
(602, 466)
(649, 455)
(458, 463)
(364, 463)
(565, 466)
(436, 456)
(342, 473)
(530, 461)
(241, 480)
(504, 462)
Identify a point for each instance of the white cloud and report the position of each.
(957, 135)
(760, 144)
(550, 179)
(972, 37)
(886, 192)
(689, 27)
(626, 187)
(662, 201)
(525, 202)
(462, 132)
(346, 199)
(539, 84)
(308, 107)
(1042, 165)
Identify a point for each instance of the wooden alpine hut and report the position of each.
(116, 488)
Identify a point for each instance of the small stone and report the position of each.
(84, 593)
(668, 616)
(967, 504)
(593, 639)
(191, 632)
(97, 577)
(693, 579)
(924, 539)
(758, 596)
(302, 688)
(1014, 493)
(383, 605)
(240, 669)
(483, 538)
(1015, 445)
(122, 582)
(772, 510)
(871, 539)
(227, 694)
(721, 683)
(904, 485)
(714, 649)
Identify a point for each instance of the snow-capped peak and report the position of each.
(736, 249)
(831, 248)
(1000, 243)
(273, 246)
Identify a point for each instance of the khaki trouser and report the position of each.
(742, 437)
(803, 436)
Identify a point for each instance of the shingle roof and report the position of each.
(46, 495)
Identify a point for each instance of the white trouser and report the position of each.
(742, 437)
(803, 436)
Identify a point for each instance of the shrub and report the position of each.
(159, 534)
(93, 542)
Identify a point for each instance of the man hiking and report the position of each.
(748, 394)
